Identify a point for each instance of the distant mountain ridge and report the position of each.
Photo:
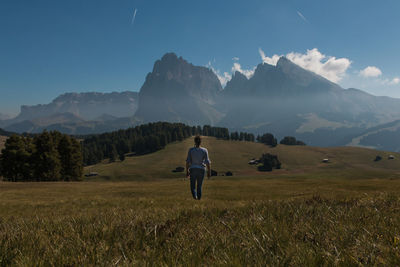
(88, 106)
(288, 100)
(76, 109)
(5, 116)
(283, 99)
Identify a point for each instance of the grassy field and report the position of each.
(297, 161)
(307, 214)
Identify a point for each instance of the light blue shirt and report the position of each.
(198, 157)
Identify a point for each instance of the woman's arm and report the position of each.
(207, 161)
(187, 169)
(188, 163)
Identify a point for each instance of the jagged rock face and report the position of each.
(178, 91)
(286, 79)
(288, 100)
(88, 106)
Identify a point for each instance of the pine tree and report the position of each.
(46, 161)
(16, 159)
(140, 145)
(113, 154)
(71, 158)
(268, 139)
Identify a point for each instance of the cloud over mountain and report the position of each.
(238, 67)
(329, 67)
(395, 80)
(371, 71)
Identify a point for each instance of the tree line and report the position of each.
(52, 156)
(147, 138)
(270, 140)
(151, 137)
(49, 156)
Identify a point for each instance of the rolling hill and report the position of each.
(382, 137)
(297, 161)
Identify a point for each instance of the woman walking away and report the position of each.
(196, 163)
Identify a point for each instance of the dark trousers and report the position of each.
(196, 176)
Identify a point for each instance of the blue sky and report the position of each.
(51, 47)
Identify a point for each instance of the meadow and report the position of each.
(138, 212)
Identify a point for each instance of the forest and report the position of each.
(49, 156)
(147, 138)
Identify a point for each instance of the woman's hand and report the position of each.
(187, 174)
(208, 170)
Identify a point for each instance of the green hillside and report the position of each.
(234, 156)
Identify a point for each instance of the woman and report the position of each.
(196, 163)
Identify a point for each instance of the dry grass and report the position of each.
(239, 222)
(308, 214)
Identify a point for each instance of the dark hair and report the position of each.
(197, 140)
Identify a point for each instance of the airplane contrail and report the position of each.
(134, 16)
(301, 16)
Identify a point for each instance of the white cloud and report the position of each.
(248, 73)
(331, 68)
(269, 60)
(226, 76)
(395, 80)
(371, 71)
(222, 77)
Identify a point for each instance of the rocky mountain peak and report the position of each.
(236, 84)
(169, 62)
(172, 80)
(283, 61)
(238, 76)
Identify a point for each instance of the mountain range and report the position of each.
(77, 113)
(283, 99)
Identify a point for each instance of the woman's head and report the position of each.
(197, 140)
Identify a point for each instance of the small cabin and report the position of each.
(253, 162)
(325, 160)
